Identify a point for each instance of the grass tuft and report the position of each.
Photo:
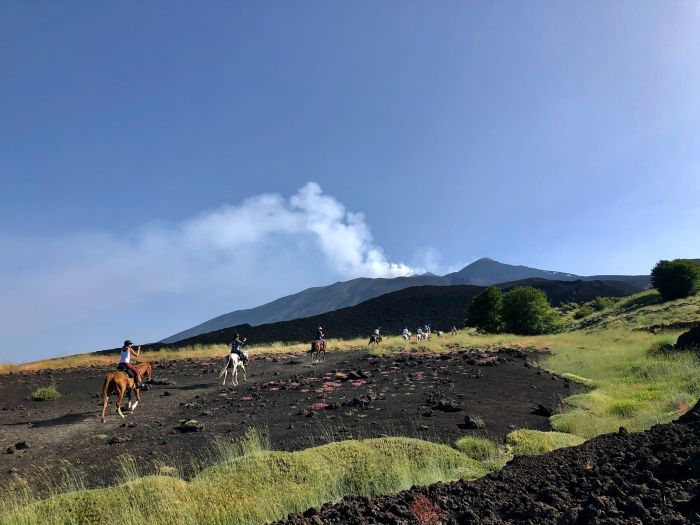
(47, 393)
(527, 442)
(268, 485)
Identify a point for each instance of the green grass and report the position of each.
(256, 487)
(47, 393)
(525, 442)
(641, 311)
(635, 382)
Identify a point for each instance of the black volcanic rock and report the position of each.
(689, 340)
(643, 477)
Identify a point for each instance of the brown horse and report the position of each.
(316, 348)
(120, 383)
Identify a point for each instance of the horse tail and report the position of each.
(105, 386)
(223, 370)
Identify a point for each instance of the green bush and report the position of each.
(582, 312)
(602, 303)
(676, 279)
(526, 311)
(485, 310)
(46, 393)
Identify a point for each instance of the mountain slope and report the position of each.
(440, 306)
(315, 301)
(312, 301)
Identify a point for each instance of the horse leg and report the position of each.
(244, 377)
(138, 398)
(120, 397)
(105, 398)
(128, 396)
(225, 376)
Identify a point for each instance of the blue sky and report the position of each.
(155, 157)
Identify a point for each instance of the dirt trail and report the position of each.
(350, 395)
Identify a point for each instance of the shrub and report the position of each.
(602, 303)
(582, 312)
(676, 279)
(46, 393)
(526, 311)
(485, 310)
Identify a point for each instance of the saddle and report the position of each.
(127, 371)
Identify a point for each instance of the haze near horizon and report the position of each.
(165, 163)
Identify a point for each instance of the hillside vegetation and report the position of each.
(632, 383)
(251, 485)
(644, 311)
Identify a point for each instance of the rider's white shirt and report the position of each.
(126, 356)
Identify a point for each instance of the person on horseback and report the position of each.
(405, 331)
(125, 361)
(236, 348)
(319, 334)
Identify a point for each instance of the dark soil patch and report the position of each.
(645, 478)
(350, 395)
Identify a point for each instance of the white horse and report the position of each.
(423, 336)
(234, 362)
(441, 333)
(407, 336)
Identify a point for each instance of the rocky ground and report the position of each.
(645, 478)
(350, 395)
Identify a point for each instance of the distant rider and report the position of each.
(319, 334)
(405, 331)
(236, 348)
(125, 361)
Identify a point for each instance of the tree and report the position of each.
(485, 310)
(526, 311)
(676, 279)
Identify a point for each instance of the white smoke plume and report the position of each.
(69, 279)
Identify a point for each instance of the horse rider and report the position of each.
(405, 331)
(125, 361)
(236, 348)
(319, 334)
(427, 329)
(419, 332)
(454, 330)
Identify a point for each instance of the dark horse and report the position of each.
(374, 339)
(120, 383)
(316, 348)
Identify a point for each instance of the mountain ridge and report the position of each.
(440, 306)
(321, 299)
